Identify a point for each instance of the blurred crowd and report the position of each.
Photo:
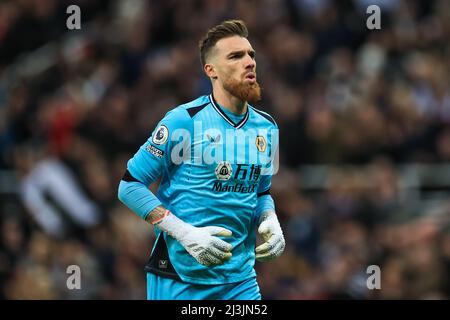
(76, 104)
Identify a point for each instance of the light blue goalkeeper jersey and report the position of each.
(214, 172)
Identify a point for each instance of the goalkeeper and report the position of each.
(215, 159)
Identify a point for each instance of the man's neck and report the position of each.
(229, 102)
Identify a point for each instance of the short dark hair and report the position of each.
(226, 29)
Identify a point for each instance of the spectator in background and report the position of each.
(49, 190)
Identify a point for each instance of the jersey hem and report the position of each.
(216, 281)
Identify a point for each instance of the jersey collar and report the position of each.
(238, 125)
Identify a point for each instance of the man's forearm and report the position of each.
(264, 204)
(138, 198)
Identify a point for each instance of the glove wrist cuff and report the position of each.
(266, 215)
(174, 226)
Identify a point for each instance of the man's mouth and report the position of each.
(250, 76)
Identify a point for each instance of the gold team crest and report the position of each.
(261, 143)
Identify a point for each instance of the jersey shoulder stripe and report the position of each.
(194, 110)
(183, 114)
(193, 107)
(265, 115)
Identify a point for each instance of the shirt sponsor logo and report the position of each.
(224, 170)
(238, 187)
(248, 174)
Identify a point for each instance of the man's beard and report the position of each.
(243, 91)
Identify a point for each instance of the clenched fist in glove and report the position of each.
(201, 243)
(270, 230)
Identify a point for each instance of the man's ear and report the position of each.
(210, 71)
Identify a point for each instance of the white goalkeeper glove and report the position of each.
(270, 230)
(200, 243)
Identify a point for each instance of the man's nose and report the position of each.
(249, 62)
